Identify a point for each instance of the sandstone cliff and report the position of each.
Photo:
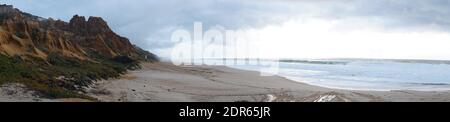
(22, 34)
(59, 59)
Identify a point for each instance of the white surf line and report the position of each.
(325, 98)
(271, 98)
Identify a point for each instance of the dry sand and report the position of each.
(163, 82)
(13, 92)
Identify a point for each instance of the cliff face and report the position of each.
(24, 35)
(59, 59)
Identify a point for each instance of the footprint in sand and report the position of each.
(271, 98)
(325, 98)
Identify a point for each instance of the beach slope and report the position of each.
(164, 82)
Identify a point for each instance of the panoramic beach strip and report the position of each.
(164, 82)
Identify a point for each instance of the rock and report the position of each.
(24, 34)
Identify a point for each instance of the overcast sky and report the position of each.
(416, 29)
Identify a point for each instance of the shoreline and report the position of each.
(375, 89)
(401, 86)
(164, 82)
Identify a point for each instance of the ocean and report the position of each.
(366, 74)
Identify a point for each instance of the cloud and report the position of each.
(149, 23)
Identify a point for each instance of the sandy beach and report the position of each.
(164, 82)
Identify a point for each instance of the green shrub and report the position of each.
(20, 34)
(44, 76)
